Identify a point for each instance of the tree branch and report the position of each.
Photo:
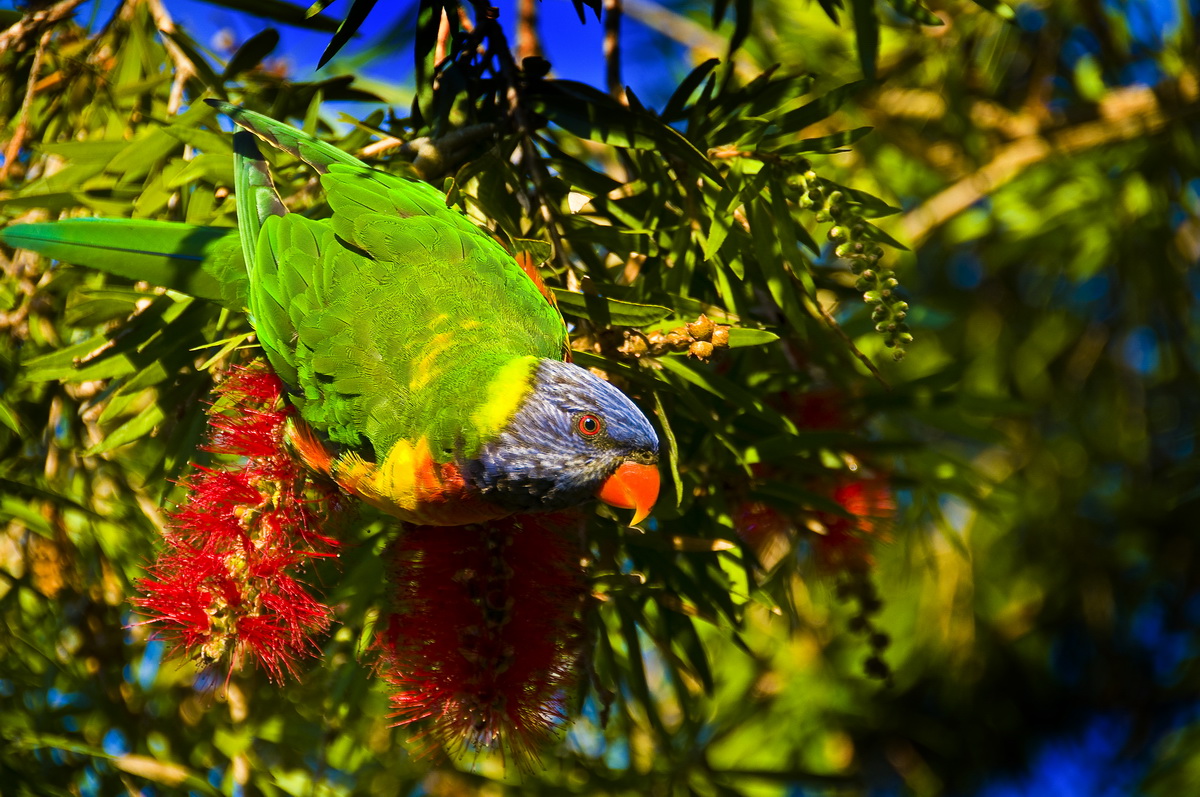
(1123, 115)
(529, 45)
(13, 150)
(612, 50)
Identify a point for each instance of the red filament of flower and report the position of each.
(227, 582)
(485, 633)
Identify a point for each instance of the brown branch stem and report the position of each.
(529, 44)
(13, 150)
(490, 26)
(1123, 115)
(613, 10)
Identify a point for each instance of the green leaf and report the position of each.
(540, 251)
(592, 4)
(203, 69)
(727, 390)
(674, 109)
(916, 12)
(287, 13)
(226, 346)
(591, 114)
(866, 34)
(166, 773)
(635, 663)
(741, 25)
(9, 418)
(139, 426)
(81, 152)
(820, 108)
(999, 8)
(873, 233)
(745, 336)
(605, 311)
(90, 308)
(205, 140)
(13, 487)
(834, 142)
(672, 448)
(251, 53)
(140, 155)
(349, 26)
(871, 207)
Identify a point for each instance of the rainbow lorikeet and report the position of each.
(430, 370)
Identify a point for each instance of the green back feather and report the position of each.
(393, 319)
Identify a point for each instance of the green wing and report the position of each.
(393, 319)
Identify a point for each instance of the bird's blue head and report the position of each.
(574, 437)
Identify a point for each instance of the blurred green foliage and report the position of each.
(1040, 571)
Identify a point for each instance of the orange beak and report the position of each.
(634, 486)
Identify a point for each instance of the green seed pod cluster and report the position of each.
(850, 234)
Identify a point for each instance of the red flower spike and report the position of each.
(226, 584)
(758, 524)
(844, 546)
(485, 636)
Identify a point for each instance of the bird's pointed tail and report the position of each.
(200, 261)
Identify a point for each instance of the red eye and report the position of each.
(589, 425)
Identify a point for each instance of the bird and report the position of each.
(429, 369)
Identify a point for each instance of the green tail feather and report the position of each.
(317, 154)
(205, 262)
(255, 192)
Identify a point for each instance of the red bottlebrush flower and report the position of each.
(870, 500)
(226, 584)
(485, 635)
(765, 529)
(826, 408)
(870, 503)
